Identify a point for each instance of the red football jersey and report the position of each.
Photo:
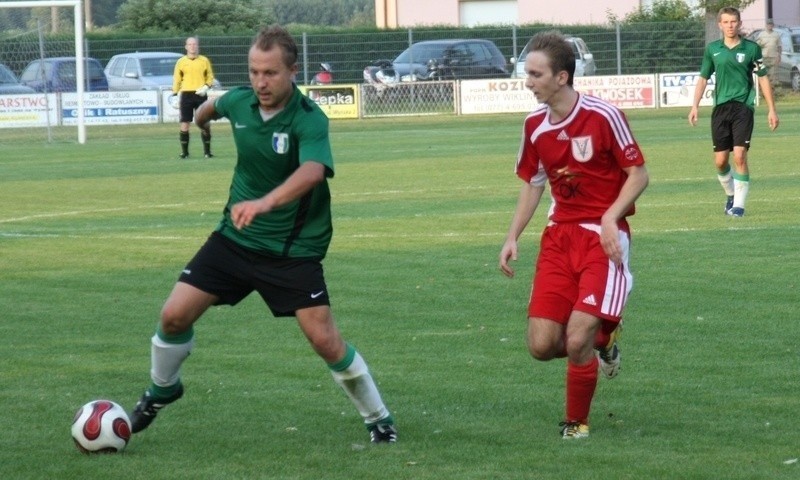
(582, 156)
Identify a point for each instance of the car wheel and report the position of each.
(795, 78)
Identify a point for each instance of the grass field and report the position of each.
(93, 236)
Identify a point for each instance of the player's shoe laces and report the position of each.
(609, 356)
(728, 204)
(382, 433)
(735, 212)
(570, 430)
(147, 408)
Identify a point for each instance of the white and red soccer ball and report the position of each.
(101, 426)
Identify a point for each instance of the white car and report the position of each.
(789, 68)
(143, 71)
(584, 59)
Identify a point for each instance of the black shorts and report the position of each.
(223, 268)
(731, 126)
(189, 103)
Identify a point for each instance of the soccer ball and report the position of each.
(101, 426)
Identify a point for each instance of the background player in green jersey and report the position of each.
(734, 60)
(274, 233)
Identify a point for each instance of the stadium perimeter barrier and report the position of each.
(464, 97)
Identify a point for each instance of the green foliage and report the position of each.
(191, 16)
(104, 12)
(659, 11)
(324, 12)
(713, 6)
(93, 236)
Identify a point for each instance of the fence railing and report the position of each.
(617, 49)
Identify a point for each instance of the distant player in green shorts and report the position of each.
(274, 233)
(734, 60)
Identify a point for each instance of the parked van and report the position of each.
(58, 74)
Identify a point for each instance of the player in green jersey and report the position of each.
(275, 231)
(734, 60)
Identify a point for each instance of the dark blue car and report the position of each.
(58, 74)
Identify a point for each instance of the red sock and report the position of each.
(581, 384)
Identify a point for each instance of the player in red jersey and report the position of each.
(584, 148)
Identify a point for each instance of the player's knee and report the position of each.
(173, 321)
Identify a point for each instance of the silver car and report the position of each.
(141, 71)
(584, 59)
(789, 68)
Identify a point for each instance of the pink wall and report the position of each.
(414, 13)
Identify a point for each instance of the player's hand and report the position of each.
(243, 213)
(772, 119)
(693, 116)
(609, 240)
(508, 252)
(202, 91)
(175, 101)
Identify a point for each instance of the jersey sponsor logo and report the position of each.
(562, 136)
(280, 142)
(582, 148)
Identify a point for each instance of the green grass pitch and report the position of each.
(93, 236)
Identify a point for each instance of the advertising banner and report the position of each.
(337, 101)
(677, 90)
(624, 91)
(107, 108)
(28, 110)
(495, 96)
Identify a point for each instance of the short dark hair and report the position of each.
(729, 11)
(555, 46)
(268, 37)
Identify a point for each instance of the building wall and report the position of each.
(415, 13)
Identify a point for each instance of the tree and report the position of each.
(712, 7)
(189, 16)
(324, 12)
(659, 11)
(104, 12)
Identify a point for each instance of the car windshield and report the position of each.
(421, 53)
(6, 76)
(158, 67)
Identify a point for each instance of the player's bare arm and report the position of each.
(306, 177)
(634, 185)
(766, 90)
(205, 113)
(699, 89)
(529, 197)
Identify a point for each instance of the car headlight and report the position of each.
(383, 78)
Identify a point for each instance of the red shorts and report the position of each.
(574, 273)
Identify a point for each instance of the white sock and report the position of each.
(357, 383)
(726, 180)
(166, 359)
(741, 187)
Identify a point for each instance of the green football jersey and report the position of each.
(734, 69)
(268, 152)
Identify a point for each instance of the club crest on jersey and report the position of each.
(280, 142)
(582, 148)
(740, 57)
